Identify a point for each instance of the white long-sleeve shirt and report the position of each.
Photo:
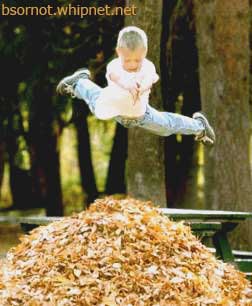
(116, 101)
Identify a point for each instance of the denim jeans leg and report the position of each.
(166, 123)
(89, 92)
(128, 123)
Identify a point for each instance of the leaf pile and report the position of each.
(118, 252)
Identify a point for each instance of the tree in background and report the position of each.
(224, 60)
(37, 51)
(180, 88)
(116, 182)
(84, 151)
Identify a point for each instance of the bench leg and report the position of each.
(27, 227)
(222, 246)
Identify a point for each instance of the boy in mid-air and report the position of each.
(130, 78)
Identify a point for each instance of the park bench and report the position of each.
(219, 223)
(209, 225)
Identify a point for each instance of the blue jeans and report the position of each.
(156, 122)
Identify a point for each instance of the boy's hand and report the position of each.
(130, 85)
(133, 88)
(135, 94)
(144, 86)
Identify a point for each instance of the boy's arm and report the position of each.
(150, 78)
(112, 74)
(130, 86)
(115, 78)
(115, 75)
(122, 82)
(145, 84)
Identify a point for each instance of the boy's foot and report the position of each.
(208, 135)
(66, 85)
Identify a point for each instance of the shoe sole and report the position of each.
(64, 82)
(208, 141)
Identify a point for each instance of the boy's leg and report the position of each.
(166, 124)
(78, 85)
(89, 92)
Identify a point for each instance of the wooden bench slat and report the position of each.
(40, 220)
(242, 254)
(201, 226)
(248, 275)
(206, 214)
(9, 220)
(244, 265)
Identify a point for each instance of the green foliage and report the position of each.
(43, 49)
(36, 52)
(22, 158)
(102, 133)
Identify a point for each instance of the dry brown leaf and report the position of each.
(118, 252)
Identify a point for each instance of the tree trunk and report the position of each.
(2, 151)
(84, 153)
(171, 88)
(145, 168)
(116, 174)
(180, 78)
(47, 169)
(19, 179)
(188, 165)
(224, 57)
(45, 165)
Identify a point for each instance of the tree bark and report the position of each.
(45, 165)
(116, 174)
(224, 58)
(171, 88)
(44, 135)
(19, 178)
(84, 153)
(145, 167)
(2, 151)
(180, 78)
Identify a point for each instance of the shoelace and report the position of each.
(204, 139)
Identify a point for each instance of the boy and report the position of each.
(126, 98)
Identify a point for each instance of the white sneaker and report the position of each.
(207, 137)
(67, 84)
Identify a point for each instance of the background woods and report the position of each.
(54, 155)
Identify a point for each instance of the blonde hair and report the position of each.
(132, 38)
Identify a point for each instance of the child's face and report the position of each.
(131, 60)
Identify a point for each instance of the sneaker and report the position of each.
(66, 85)
(207, 137)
